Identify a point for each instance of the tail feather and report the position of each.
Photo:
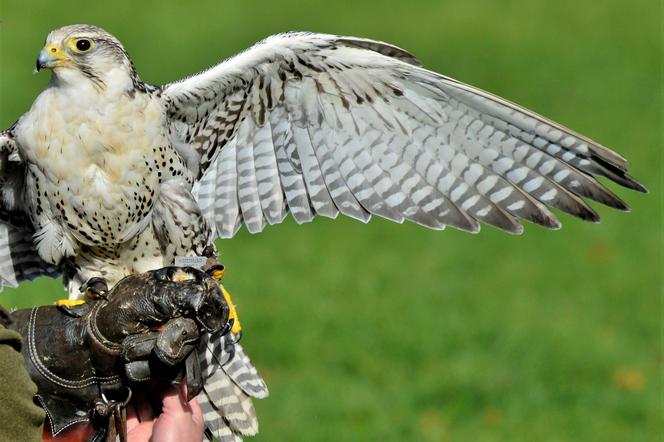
(243, 372)
(234, 408)
(217, 428)
(231, 380)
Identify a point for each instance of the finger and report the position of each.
(197, 413)
(173, 400)
(194, 408)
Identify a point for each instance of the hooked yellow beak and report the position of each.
(49, 57)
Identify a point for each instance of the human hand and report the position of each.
(173, 419)
(145, 328)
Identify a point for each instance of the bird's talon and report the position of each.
(227, 328)
(95, 288)
(70, 307)
(238, 337)
(94, 293)
(229, 347)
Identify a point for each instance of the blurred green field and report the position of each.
(396, 333)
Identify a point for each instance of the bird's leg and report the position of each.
(94, 289)
(210, 252)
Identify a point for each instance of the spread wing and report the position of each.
(18, 259)
(316, 124)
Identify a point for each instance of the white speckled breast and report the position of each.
(95, 161)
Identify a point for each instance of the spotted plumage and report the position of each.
(106, 175)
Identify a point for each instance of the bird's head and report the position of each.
(78, 53)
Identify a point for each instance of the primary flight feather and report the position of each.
(106, 175)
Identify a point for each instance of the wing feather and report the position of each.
(227, 216)
(292, 181)
(270, 191)
(19, 260)
(335, 167)
(320, 124)
(247, 183)
(364, 176)
(321, 200)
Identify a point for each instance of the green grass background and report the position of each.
(396, 333)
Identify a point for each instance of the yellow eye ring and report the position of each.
(81, 45)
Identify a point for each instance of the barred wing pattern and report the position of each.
(18, 259)
(320, 125)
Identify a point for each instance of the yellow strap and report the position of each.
(233, 313)
(218, 273)
(70, 302)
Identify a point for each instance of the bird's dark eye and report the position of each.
(83, 45)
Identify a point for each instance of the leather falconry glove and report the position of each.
(85, 359)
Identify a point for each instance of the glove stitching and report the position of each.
(51, 420)
(48, 374)
(132, 376)
(96, 335)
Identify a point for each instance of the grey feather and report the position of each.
(358, 127)
(231, 380)
(18, 259)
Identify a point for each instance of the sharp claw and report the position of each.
(96, 287)
(229, 347)
(238, 337)
(227, 328)
(95, 293)
(66, 306)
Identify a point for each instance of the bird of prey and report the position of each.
(106, 175)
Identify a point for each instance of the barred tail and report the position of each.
(231, 381)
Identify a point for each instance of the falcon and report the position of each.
(106, 175)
